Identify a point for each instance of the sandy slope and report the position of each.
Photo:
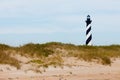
(73, 70)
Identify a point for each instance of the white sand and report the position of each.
(73, 70)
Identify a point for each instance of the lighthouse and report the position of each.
(88, 31)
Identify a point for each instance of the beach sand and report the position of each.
(72, 70)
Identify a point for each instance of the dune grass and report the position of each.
(55, 60)
(7, 59)
(53, 52)
(34, 50)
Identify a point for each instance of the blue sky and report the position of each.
(41, 21)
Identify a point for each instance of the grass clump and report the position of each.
(6, 59)
(54, 60)
(106, 60)
(35, 50)
(102, 54)
(4, 47)
(36, 61)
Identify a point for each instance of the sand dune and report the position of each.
(73, 70)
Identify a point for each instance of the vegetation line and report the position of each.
(52, 53)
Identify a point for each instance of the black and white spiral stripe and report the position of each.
(88, 32)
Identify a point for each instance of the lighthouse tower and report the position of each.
(88, 31)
